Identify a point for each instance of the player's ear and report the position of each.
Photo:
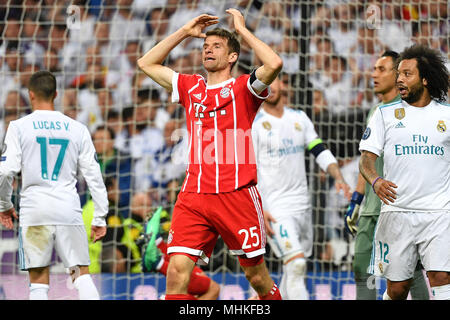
(424, 82)
(232, 57)
(31, 94)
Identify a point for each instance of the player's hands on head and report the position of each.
(238, 18)
(6, 218)
(194, 28)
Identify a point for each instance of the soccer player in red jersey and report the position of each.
(219, 194)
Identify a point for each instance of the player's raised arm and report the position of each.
(272, 62)
(151, 62)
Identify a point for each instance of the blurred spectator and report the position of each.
(122, 81)
(149, 101)
(70, 105)
(107, 49)
(343, 31)
(158, 20)
(51, 63)
(394, 32)
(167, 166)
(320, 62)
(138, 139)
(32, 35)
(289, 51)
(273, 23)
(114, 163)
(423, 33)
(362, 57)
(338, 90)
(124, 26)
(88, 84)
(82, 31)
(16, 103)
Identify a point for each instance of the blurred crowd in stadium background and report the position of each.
(328, 48)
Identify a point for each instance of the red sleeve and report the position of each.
(181, 84)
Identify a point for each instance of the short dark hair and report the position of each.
(43, 84)
(393, 54)
(431, 66)
(232, 41)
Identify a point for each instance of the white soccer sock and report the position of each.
(38, 291)
(441, 292)
(86, 288)
(386, 296)
(295, 282)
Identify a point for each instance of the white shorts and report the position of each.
(401, 238)
(36, 245)
(293, 234)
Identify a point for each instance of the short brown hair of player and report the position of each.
(232, 41)
(43, 85)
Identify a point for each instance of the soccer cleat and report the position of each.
(150, 253)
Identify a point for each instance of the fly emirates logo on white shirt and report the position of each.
(420, 144)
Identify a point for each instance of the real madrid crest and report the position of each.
(297, 126)
(380, 266)
(266, 125)
(441, 126)
(399, 113)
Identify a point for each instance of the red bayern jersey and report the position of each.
(219, 120)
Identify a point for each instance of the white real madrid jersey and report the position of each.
(280, 145)
(416, 146)
(48, 148)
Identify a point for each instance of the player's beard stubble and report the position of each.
(414, 92)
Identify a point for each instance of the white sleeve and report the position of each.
(373, 137)
(10, 164)
(310, 132)
(175, 93)
(90, 169)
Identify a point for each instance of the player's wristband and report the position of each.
(373, 183)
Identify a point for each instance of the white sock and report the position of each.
(86, 288)
(386, 296)
(441, 292)
(295, 282)
(38, 291)
(283, 286)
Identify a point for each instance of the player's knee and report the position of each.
(178, 274)
(258, 277)
(398, 290)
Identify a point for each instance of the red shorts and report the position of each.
(199, 218)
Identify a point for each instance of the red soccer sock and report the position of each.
(163, 269)
(180, 297)
(274, 294)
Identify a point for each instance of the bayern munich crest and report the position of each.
(225, 92)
